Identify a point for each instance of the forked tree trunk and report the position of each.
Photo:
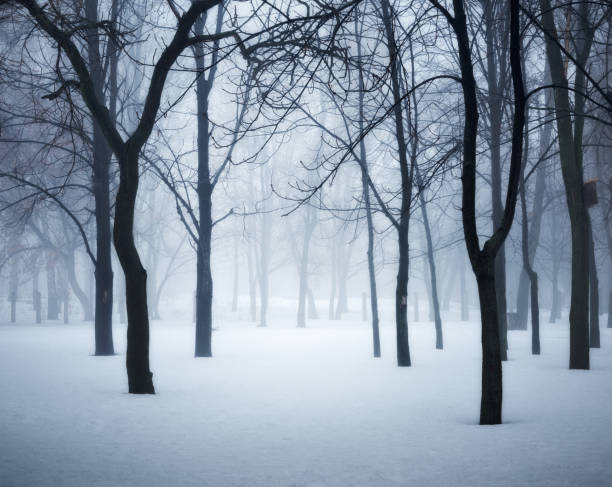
(483, 260)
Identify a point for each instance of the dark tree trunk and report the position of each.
(483, 260)
(140, 378)
(570, 152)
(496, 42)
(594, 340)
(204, 285)
(555, 306)
(526, 247)
(103, 319)
(401, 289)
(491, 399)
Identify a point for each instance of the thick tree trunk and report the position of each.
(483, 260)
(497, 86)
(140, 378)
(570, 152)
(491, 399)
(401, 300)
(204, 284)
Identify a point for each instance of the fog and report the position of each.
(345, 242)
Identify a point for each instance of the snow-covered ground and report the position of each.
(282, 406)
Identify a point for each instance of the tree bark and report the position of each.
(401, 289)
(103, 320)
(570, 152)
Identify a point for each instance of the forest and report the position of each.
(305, 242)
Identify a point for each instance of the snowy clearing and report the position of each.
(281, 406)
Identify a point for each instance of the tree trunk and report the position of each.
(401, 290)
(103, 321)
(570, 150)
(236, 276)
(368, 205)
(496, 80)
(491, 399)
(312, 307)
(252, 283)
(432, 265)
(594, 340)
(332, 292)
(309, 226)
(140, 378)
(52, 298)
(204, 285)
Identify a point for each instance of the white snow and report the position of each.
(282, 406)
